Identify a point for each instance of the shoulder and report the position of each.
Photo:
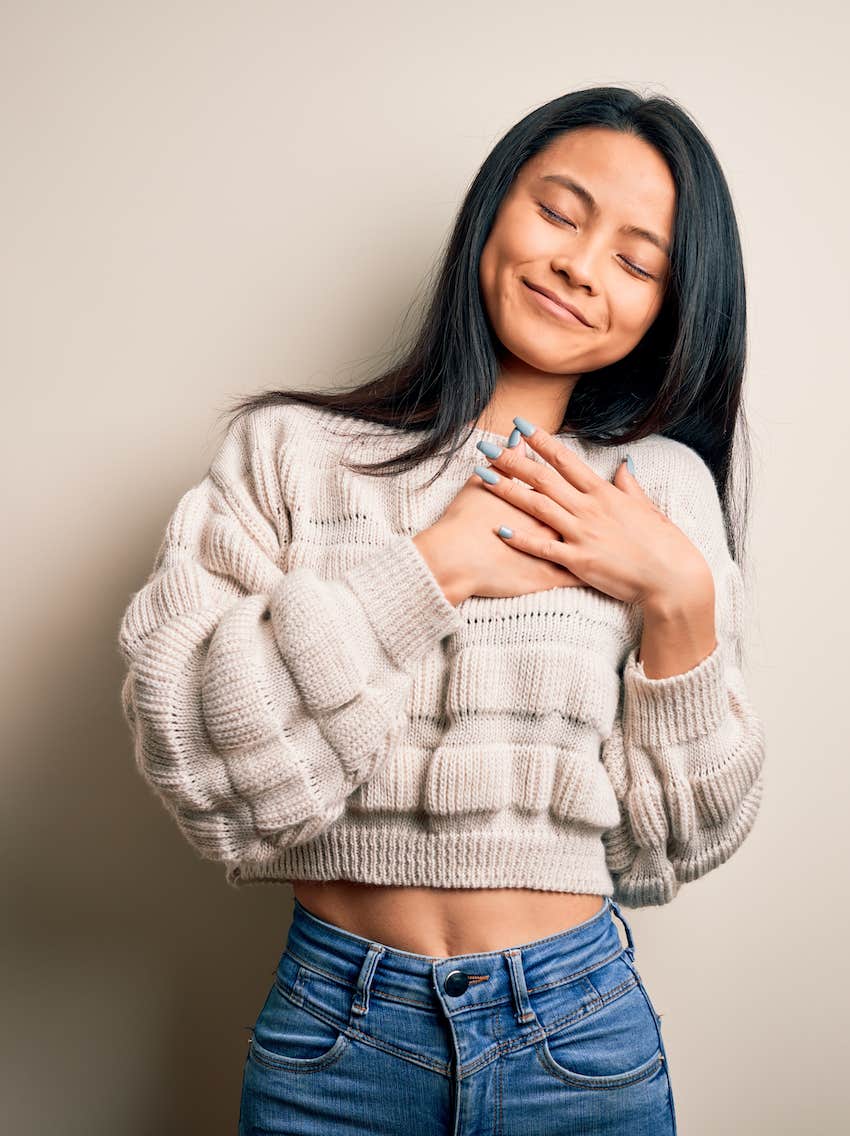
(281, 432)
(674, 474)
(265, 427)
(681, 483)
(672, 468)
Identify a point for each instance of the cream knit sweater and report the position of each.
(307, 703)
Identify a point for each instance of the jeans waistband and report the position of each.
(460, 982)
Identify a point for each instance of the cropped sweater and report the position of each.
(308, 704)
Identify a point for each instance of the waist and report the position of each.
(443, 922)
(323, 949)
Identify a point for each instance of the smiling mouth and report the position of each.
(555, 307)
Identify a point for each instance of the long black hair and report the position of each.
(683, 379)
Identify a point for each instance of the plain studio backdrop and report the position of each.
(205, 199)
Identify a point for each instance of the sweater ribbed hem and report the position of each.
(570, 862)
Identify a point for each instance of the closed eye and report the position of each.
(558, 219)
(556, 216)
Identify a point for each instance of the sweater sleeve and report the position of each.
(686, 754)
(259, 699)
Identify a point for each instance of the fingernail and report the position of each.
(505, 531)
(488, 475)
(514, 438)
(489, 448)
(630, 465)
(523, 426)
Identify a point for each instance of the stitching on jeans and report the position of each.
(498, 1120)
(656, 1019)
(414, 1058)
(613, 1085)
(358, 1034)
(583, 1012)
(273, 1062)
(574, 977)
(374, 989)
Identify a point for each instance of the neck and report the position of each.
(538, 397)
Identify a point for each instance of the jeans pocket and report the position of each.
(614, 1044)
(293, 1032)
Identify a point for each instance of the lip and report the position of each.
(556, 305)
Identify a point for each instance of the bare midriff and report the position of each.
(442, 922)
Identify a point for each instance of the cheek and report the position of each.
(518, 238)
(633, 314)
(496, 276)
(487, 278)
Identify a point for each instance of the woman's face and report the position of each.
(586, 250)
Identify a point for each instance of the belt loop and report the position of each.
(615, 907)
(523, 1009)
(360, 1003)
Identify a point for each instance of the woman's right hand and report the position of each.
(469, 558)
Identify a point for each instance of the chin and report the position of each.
(527, 349)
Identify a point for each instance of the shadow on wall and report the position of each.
(134, 961)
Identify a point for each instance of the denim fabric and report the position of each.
(556, 1036)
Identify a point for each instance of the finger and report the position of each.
(565, 461)
(537, 475)
(625, 479)
(519, 447)
(556, 551)
(539, 505)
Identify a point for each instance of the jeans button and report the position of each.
(456, 982)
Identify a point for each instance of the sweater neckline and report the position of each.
(476, 432)
(479, 431)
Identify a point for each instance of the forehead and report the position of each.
(623, 172)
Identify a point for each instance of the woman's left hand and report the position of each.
(615, 538)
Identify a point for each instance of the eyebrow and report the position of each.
(587, 197)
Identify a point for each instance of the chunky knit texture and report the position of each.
(308, 704)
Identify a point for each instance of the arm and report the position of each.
(686, 753)
(259, 699)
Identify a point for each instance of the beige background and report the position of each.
(205, 199)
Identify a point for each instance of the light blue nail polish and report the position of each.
(488, 475)
(524, 427)
(489, 448)
(514, 438)
(505, 531)
(630, 465)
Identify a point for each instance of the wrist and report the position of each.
(450, 575)
(678, 631)
(680, 601)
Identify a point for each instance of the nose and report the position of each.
(575, 264)
(577, 274)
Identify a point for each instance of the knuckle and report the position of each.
(587, 560)
(562, 461)
(591, 506)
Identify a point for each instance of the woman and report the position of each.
(467, 716)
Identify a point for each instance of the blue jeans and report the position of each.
(556, 1036)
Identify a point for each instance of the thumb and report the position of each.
(625, 478)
